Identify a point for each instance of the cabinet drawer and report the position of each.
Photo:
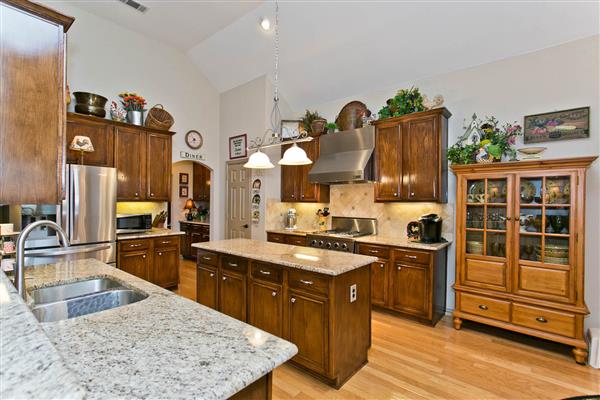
(308, 281)
(267, 272)
(560, 323)
(130, 245)
(412, 256)
(275, 237)
(485, 307)
(234, 264)
(205, 257)
(167, 241)
(296, 240)
(375, 251)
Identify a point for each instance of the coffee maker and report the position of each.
(428, 229)
(290, 220)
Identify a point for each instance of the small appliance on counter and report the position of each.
(428, 229)
(290, 220)
(134, 223)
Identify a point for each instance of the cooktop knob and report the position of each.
(328, 245)
(336, 245)
(344, 246)
(320, 243)
(313, 242)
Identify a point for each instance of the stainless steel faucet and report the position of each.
(20, 265)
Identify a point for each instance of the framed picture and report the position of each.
(183, 191)
(184, 179)
(557, 125)
(237, 147)
(290, 128)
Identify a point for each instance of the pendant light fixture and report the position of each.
(292, 156)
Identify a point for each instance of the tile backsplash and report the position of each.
(356, 200)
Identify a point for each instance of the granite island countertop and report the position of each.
(164, 346)
(155, 232)
(326, 262)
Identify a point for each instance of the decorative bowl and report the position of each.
(90, 103)
(90, 110)
(474, 247)
(531, 153)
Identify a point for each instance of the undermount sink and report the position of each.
(55, 303)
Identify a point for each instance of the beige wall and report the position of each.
(561, 77)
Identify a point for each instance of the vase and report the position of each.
(318, 127)
(135, 117)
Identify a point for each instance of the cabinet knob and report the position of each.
(302, 196)
(274, 294)
(399, 268)
(224, 278)
(136, 194)
(293, 196)
(382, 266)
(412, 194)
(159, 253)
(483, 307)
(293, 300)
(212, 274)
(396, 194)
(541, 319)
(151, 194)
(144, 256)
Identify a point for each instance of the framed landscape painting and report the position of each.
(557, 125)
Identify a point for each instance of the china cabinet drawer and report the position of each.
(205, 257)
(375, 251)
(267, 272)
(131, 245)
(485, 307)
(308, 281)
(544, 281)
(411, 256)
(234, 264)
(560, 323)
(485, 272)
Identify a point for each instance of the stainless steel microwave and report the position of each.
(131, 223)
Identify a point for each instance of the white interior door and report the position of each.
(238, 201)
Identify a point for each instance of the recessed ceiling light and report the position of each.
(265, 24)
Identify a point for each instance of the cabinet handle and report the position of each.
(135, 245)
(306, 282)
(274, 294)
(293, 300)
(232, 264)
(212, 274)
(206, 258)
(265, 272)
(411, 257)
(166, 242)
(374, 251)
(483, 307)
(541, 319)
(224, 278)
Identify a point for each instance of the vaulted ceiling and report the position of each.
(334, 49)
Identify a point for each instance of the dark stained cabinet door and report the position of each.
(266, 307)
(387, 163)
(137, 263)
(411, 289)
(289, 180)
(130, 163)
(101, 135)
(166, 263)
(158, 167)
(379, 282)
(206, 286)
(308, 329)
(420, 159)
(201, 183)
(232, 295)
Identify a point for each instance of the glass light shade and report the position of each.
(259, 160)
(82, 143)
(189, 205)
(295, 156)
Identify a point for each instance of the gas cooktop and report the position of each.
(341, 236)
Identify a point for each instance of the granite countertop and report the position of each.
(401, 241)
(296, 232)
(164, 346)
(155, 232)
(326, 262)
(195, 222)
(30, 366)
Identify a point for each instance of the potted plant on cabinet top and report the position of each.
(313, 123)
(331, 127)
(406, 101)
(134, 105)
(484, 142)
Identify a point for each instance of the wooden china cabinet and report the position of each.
(520, 248)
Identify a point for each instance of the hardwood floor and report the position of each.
(408, 360)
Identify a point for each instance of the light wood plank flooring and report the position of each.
(412, 361)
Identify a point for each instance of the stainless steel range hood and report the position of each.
(345, 157)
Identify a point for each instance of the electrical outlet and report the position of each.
(353, 293)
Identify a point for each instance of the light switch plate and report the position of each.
(353, 293)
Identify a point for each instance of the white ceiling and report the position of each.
(179, 23)
(335, 49)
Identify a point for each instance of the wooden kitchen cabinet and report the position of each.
(265, 303)
(153, 259)
(295, 240)
(411, 289)
(194, 233)
(201, 183)
(520, 248)
(295, 186)
(130, 161)
(232, 294)
(379, 283)
(32, 134)
(410, 157)
(100, 133)
(207, 286)
(158, 181)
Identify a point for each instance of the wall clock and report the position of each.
(193, 139)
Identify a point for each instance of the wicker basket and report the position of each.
(159, 118)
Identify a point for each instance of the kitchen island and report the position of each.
(317, 299)
(164, 346)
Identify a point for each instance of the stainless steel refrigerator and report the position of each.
(87, 215)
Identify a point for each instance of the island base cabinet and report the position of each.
(314, 311)
(261, 389)
(154, 260)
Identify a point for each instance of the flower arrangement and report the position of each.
(406, 101)
(132, 101)
(485, 141)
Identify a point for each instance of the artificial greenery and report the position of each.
(331, 127)
(308, 118)
(484, 138)
(406, 101)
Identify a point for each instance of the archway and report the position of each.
(191, 180)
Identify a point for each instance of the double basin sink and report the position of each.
(70, 300)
